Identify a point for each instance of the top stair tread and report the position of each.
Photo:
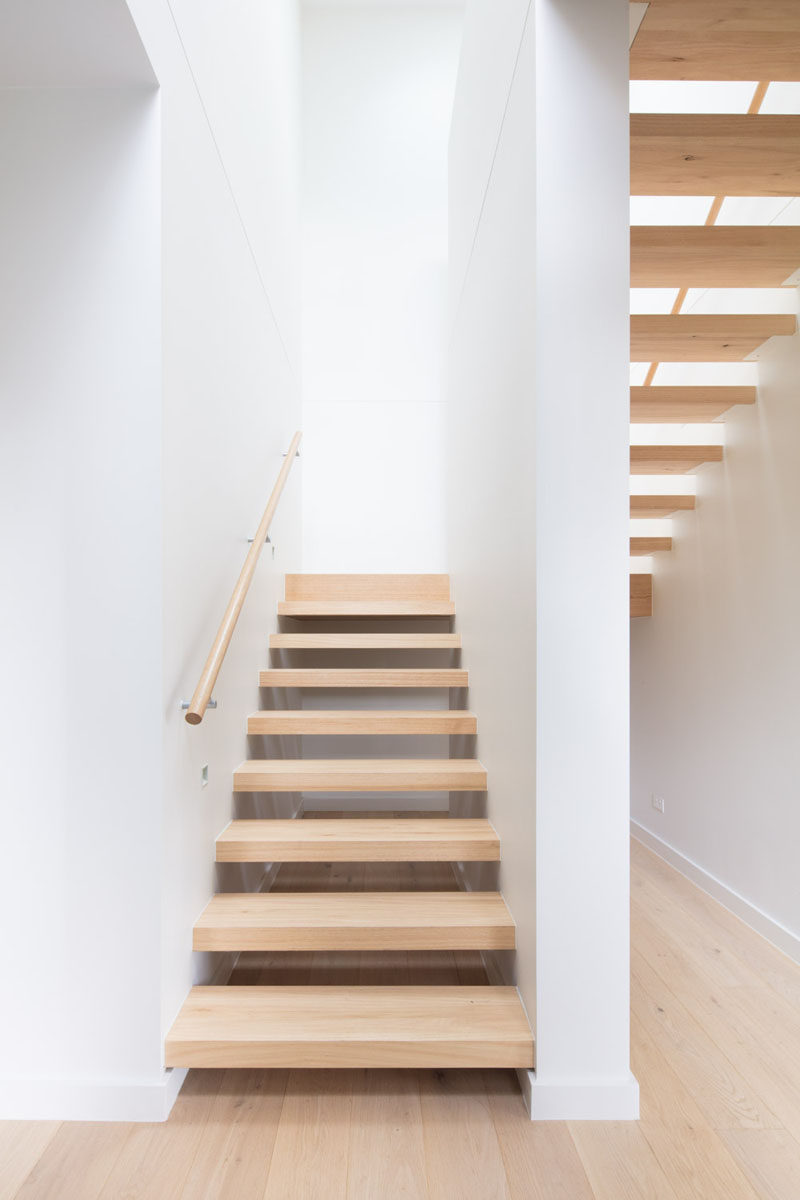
(387, 595)
(366, 608)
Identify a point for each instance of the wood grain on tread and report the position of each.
(367, 587)
(323, 1027)
(713, 256)
(382, 920)
(660, 506)
(366, 608)
(365, 641)
(714, 39)
(641, 592)
(672, 460)
(713, 154)
(650, 545)
(360, 839)
(368, 677)
(363, 721)
(686, 404)
(667, 337)
(360, 774)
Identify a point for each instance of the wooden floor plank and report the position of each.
(84, 1153)
(22, 1143)
(770, 1158)
(386, 1153)
(539, 1157)
(310, 1155)
(463, 1159)
(619, 1162)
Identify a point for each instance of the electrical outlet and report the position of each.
(204, 775)
(657, 802)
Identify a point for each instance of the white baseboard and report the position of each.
(576, 1100)
(38, 1099)
(767, 926)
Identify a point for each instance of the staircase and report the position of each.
(358, 897)
(713, 157)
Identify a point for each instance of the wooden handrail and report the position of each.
(205, 686)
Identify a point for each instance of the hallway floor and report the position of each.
(716, 1047)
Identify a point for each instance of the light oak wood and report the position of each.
(304, 609)
(324, 1027)
(365, 641)
(688, 338)
(650, 545)
(435, 1134)
(660, 506)
(672, 460)
(360, 774)
(715, 39)
(368, 677)
(714, 154)
(713, 256)
(359, 839)
(641, 592)
(682, 405)
(384, 920)
(216, 657)
(367, 587)
(363, 721)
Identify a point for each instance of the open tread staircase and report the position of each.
(269, 1024)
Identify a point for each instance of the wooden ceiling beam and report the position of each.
(715, 255)
(688, 338)
(715, 39)
(713, 154)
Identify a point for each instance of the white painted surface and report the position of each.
(377, 97)
(717, 738)
(80, 489)
(148, 390)
(539, 556)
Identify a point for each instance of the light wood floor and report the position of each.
(716, 1048)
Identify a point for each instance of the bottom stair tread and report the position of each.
(340, 1027)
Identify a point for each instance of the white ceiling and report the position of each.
(70, 43)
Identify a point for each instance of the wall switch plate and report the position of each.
(657, 802)
(204, 775)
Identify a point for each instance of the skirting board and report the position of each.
(769, 928)
(546, 1100)
(148, 1100)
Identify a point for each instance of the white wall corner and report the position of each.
(761, 922)
(134, 1100)
(580, 1100)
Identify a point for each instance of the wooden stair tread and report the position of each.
(672, 460)
(360, 774)
(714, 154)
(365, 641)
(381, 587)
(641, 595)
(650, 545)
(333, 1026)
(363, 721)
(360, 839)
(366, 608)
(682, 337)
(367, 677)
(663, 405)
(714, 255)
(714, 39)
(660, 506)
(438, 920)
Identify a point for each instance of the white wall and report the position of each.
(378, 86)
(538, 508)
(155, 385)
(715, 700)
